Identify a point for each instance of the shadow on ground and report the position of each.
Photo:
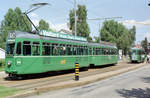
(146, 79)
(134, 93)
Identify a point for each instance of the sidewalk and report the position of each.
(2, 74)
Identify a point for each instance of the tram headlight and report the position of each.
(9, 63)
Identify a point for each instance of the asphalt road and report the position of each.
(133, 84)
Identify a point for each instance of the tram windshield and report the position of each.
(10, 48)
(133, 52)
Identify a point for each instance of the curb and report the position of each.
(72, 83)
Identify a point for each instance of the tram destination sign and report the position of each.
(60, 35)
(11, 37)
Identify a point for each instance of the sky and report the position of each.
(133, 12)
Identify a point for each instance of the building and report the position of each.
(2, 53)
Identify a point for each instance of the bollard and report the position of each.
(76, 71)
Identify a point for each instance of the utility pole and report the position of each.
(108, 18)
(75, 26)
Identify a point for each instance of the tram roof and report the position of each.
(19, 34)
(136, 48)
(36, 36)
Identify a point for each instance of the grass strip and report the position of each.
(7, 91)
(2, 68)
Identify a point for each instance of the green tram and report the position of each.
(137, 55)
(28, 53)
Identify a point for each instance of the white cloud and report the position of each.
(53, 26)
(34, 15)
(130, 23)
(134, 22)
(58, 27)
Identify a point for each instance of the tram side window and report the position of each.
(111, 52)
(18, 51)
(116, 52)
(90, 51)
(36, 48)
(107, 51)
(26, 48)
(55, 49)
(46, 49)
(104, 51)
(74, 50)
(69, 50)
(140, 52)
(62, 50)
(86, 50)
(100, 51)
(96, 51)
(78, 50)
(81, 50)
(93, 51)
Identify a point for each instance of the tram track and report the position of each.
(35, 83)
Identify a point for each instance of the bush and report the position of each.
(2, 62)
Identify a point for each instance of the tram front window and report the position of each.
(133, 52)
(10, 48)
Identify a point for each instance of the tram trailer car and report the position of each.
(28, 53)
(137, 55)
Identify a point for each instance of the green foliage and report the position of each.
(43, 25)
(82, 25)
(5, 91)
(115, 32)
(89, 39)
(2, 62)
(144, 44)
(97, 39)
(71, 20)
(14, 20)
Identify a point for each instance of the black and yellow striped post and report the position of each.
(76, 71)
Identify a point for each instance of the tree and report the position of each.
(97, 39)
(144, 44)
(43, 25)
(115, 32)
(14, 20)
(82, 25)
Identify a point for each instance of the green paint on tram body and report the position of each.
(31, 53)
